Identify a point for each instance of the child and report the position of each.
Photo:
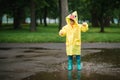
(72, 31)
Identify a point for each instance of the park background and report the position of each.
(37, 21)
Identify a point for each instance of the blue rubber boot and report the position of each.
(70, 63)
(78, 58)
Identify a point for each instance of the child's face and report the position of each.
(72, 22)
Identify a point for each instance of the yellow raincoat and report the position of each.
(73, 34)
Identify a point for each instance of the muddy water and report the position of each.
(70, 75)
(51, 64)
(98, 64)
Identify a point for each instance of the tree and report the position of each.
(116, 13)
(48, 8)
(39, 9)
(81, 6)
(32, 26)
(2, 9)
(45, 15)
(17, 13)
(16, 8)
(0, 21)
(53, 9)
(43, 9)
(101, 12)
(63, 10)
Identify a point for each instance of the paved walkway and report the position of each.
(57, 45)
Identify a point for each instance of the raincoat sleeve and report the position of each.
(62, 32)
(84, 27)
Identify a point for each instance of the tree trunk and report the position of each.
(63, 10)
(101, 24)
(36, 23)
(94, 17)
(0, 21)
(23, 16)
(119, 20)
(60, 24)
(23, 20)
(40, 20)
(94, 20)
(55, 21)
(17, 18)
(102, 27)
(7, 19)
(106, 21)
(33, 26)
(112, 20)
(45, 16)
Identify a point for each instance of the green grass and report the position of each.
(50, 34)
(111, 34)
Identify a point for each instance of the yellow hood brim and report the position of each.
(75, 18)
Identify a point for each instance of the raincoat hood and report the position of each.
(72, 16)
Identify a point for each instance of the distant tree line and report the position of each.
(35, 9)
(98, 12)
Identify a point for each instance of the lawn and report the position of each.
(50, 34)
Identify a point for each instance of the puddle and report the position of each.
(41, 48)
(28, 51)
(110, 56)
(70, 75)
(51, 64)
(33, 48)
(19, 56)
(27, 59)
(103, 64)
(33, 51)
(3, 57)
(64, 75)
(5, 48)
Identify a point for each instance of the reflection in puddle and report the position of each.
(74, 76)
(64, 75)
(70, 75)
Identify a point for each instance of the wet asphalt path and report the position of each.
(42, 61)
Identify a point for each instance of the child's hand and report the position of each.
(84, 23)
(61, 33)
